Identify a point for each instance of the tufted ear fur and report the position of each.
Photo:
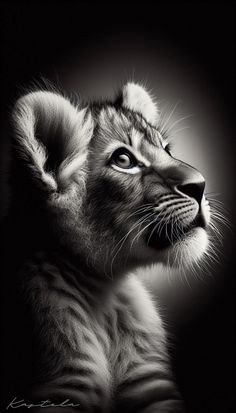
(51, 137)
(136, 98)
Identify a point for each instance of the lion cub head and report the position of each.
(112, 192)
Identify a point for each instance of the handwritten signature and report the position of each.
(15, 404)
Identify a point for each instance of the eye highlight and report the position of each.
(123, 159)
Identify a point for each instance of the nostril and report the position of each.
(194, 190)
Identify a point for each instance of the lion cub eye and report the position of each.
(123, 159)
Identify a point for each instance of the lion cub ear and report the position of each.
(51, 137)
(136, 98)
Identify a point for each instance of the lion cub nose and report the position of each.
(194, 190)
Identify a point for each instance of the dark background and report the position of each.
(55, 40)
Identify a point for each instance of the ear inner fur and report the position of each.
(45, 124)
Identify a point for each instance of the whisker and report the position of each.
(170, 115)
(178, 130)
(123, 239)
(139, 211)
(154, 229)
(177, 122)
(137, 236)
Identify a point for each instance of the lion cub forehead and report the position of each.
(110, 116)
(131, 130)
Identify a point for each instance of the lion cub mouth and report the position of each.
(168, 234)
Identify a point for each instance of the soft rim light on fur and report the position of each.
(47, 112)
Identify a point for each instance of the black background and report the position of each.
(39, 40)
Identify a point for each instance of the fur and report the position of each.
(100, 339)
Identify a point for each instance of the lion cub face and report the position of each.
(119, 193)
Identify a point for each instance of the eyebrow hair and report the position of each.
(151, 139)
(148, 130)
(127, 120)
(129, 139)
(125, 135)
